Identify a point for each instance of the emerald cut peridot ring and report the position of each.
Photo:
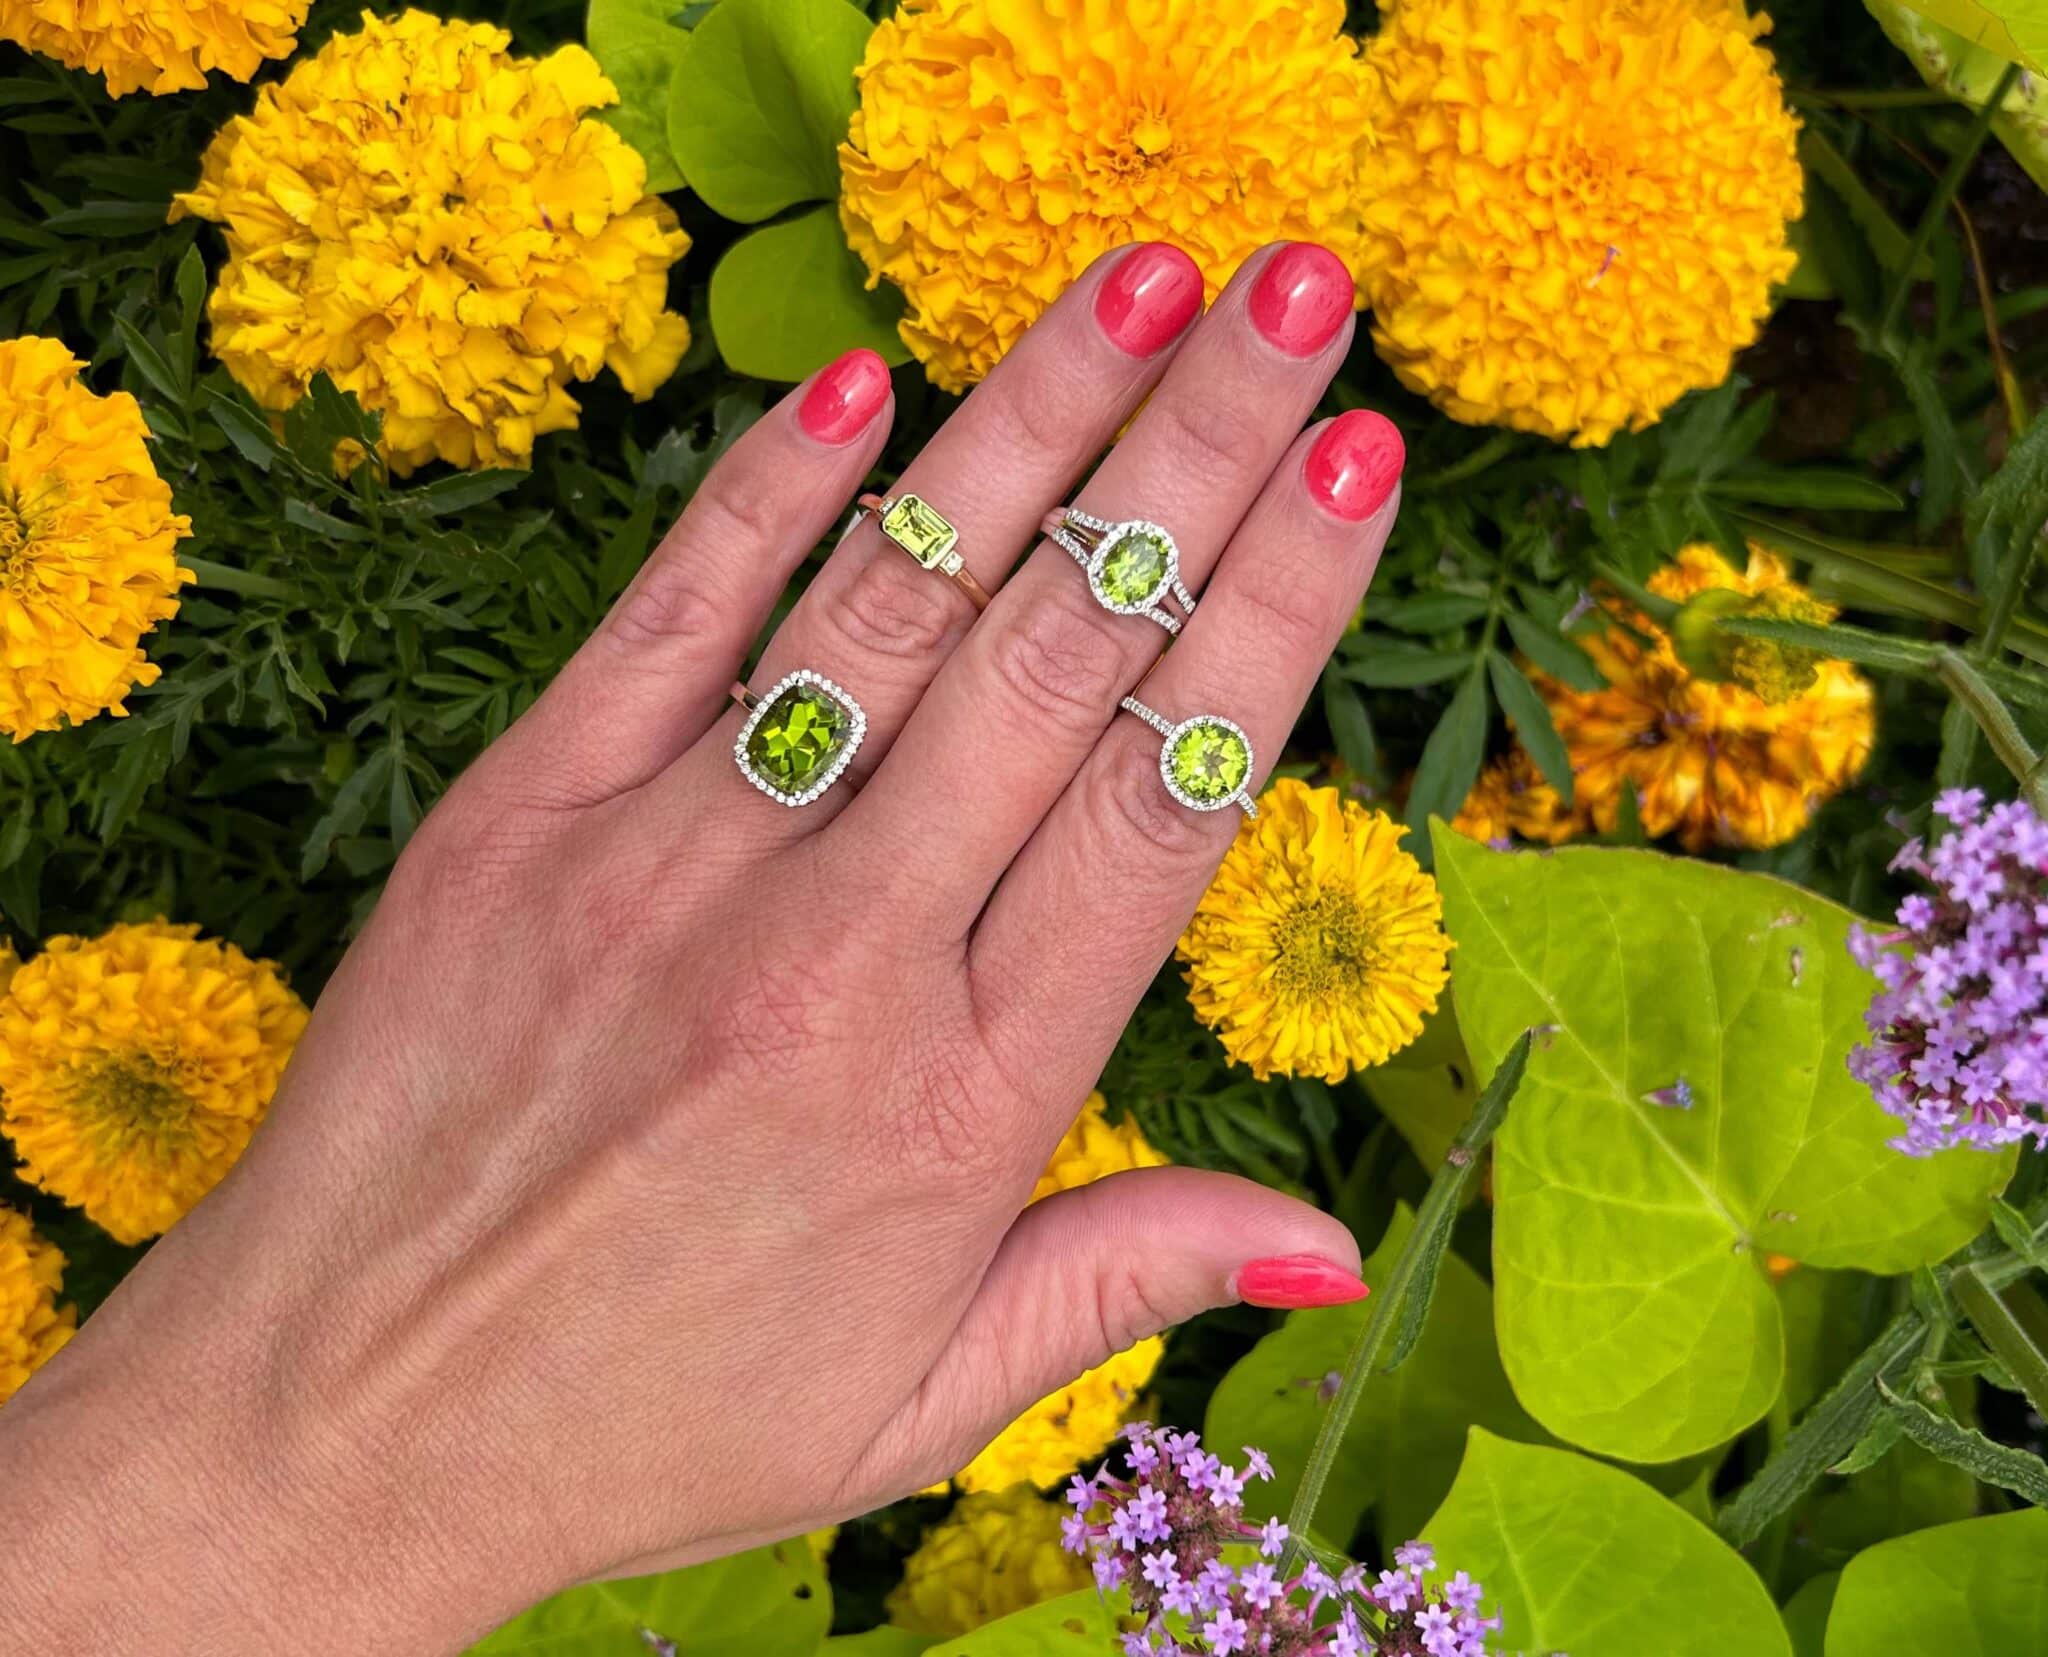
(1133, 567)
(1205, 761)
(915, 525)
(799, 738)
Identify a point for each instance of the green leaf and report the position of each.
(1533, 727)
(760, 100)
(1985, 1460)
(1972, 1589)
(1350, 726)
(245, 429)
(1584, 1558)
(638, 47)
(788, 299)
(1635, 1318)
(878, 1642)
(1074, 1625)
(150, 362)
(1970, 73)
(1806, 1615)
(1557, 655)
(772, 1602)
(1385, 664)
(1450, 759)
(2017, 30)
(461, 491)
(1428, 1089)
(1817, 487)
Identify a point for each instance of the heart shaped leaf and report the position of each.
(1972, 1589)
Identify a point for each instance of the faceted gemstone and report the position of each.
(919, 531)
(1134, 569)
(798, 737)
(1209, 761)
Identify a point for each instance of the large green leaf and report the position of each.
(1975, 1589)
(2017, 30)
(1635, 1317)
(1948, 61)
(789, 298)
(1074, 1625)
(772, 1602)
(1806, 1615)
(1404, 1444)
(638, 45)
(1584, 1558)
(760, 102)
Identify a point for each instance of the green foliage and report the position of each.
(638, 44)
(2017, 30)
(1967, 1590)
(789, 298)
(1586, 1559)
(1075, 1625)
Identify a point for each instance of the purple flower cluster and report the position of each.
(1160, 1532)
(1960, 1028)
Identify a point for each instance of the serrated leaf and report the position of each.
(788, 299)
(1983, 1459)
(1555, 654)
(149, 362)
(1533, 726)
(1971, 1589)
(1635, 1317)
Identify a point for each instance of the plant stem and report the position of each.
(1497, 447)
(1999, 1326)
(1995, 720)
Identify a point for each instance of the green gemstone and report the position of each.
(798, 737)
(1134, 568)
(1209, 761)
(918, 530)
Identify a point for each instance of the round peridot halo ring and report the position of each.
(799, 737)
(1205, 762)
(1132, 566)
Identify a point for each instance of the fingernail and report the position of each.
(1149, 299)
(844, 397)
(1301, 298)
(1354, 465)
(1296, 1280)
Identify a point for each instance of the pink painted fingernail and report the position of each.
(1301, 298)
(1148, 300)
(845, 396)
(1295, 1280)
(1354, 465)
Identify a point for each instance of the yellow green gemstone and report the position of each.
(1209, 761)
(797, 738)
(1134, 568)
(912, 524)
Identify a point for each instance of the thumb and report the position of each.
(1083, 1274)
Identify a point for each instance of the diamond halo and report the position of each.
(857, 728)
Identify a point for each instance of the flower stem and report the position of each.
(1995, 720)
(2018, 1342)
(1402, 1304)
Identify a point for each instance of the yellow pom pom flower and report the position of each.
(998, 148)
(1095, 1148)
(1319, 948)
(1713, 762)
(32, 1325)
(134, 1066)
(441, 228)
(155, 45)
(88, 543)
(1576, 208)
(995, 1553)
(1512, 801)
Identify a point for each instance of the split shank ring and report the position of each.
(1205, 761)
(914, 525)
(1132, 566)
(799, 738)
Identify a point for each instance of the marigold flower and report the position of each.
(88, 543)
(1510, 801)
(1714, 763)
(135, 1065)
(155, 45)
(32, 1325)
(998, 149)
(1319, 949)
(996, 1552)
(441, 228)
(1094, 1148)
(1576, 208)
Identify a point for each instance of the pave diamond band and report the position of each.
(915, 525)
(799, 737)
(1205, 762)
(1132, 566)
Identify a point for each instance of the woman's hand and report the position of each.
(647, 1185)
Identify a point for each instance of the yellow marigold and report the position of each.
(995, 1553)
(1576, 208)
(1712, 762)
(155, 45)
(439, 227)
(1511, 800)
(1093, 1148)
(134, 1066)
(998, 148)
(1319, 948)
(88, 543)
(32, 1325)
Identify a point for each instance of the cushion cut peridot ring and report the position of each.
(1132, 566)
(920, 530)
(1205, 761)
(799, 738)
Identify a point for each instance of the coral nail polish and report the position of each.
(1148, 299)
(1301, 298)
(845, 396)
(1296, 1280)
(1353, 467)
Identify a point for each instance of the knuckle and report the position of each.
(891, 608)
(1128, 799)
(1208, 435)
(726, 514)
(1293, 615)
(669, 603)
(1034, 413)
(1063, 663)
(1125, 1308)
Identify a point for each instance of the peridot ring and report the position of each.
(799, 738)
(1205, 761)
(915, 525)
(1132, 566)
